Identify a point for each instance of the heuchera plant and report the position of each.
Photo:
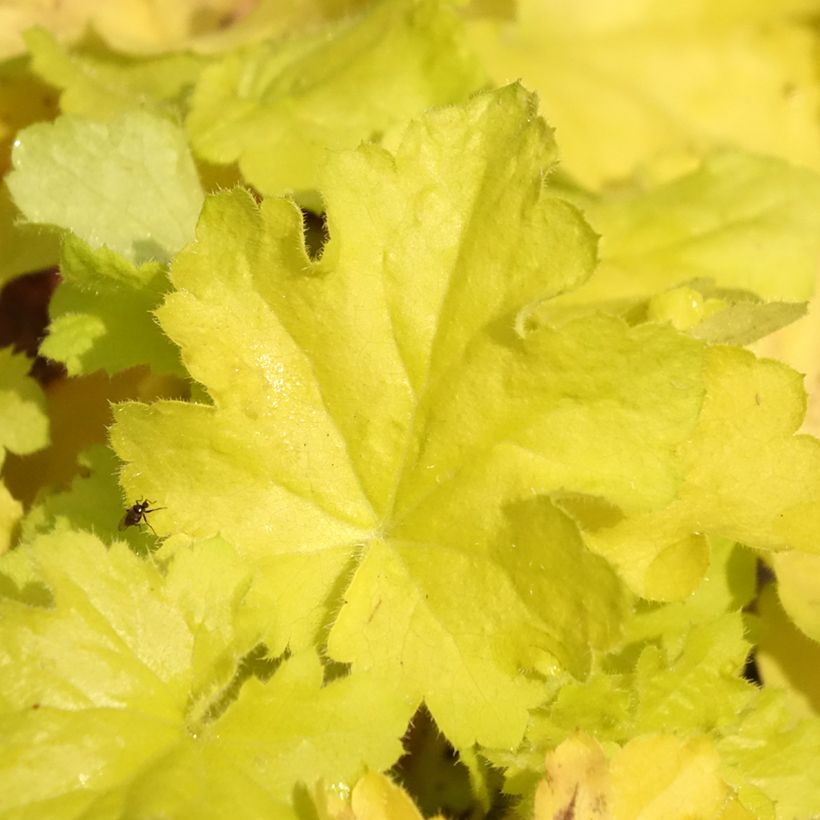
(465, 495)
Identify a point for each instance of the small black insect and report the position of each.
(137, 513)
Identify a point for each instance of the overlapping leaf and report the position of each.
(753, 742)
(102, 84)
(653, 776)
(127, 188)
(733, 221)
(112, 694)
(281, 108)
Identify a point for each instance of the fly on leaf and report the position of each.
(138, 513)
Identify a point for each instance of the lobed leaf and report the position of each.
(316, 472)
(384, 420)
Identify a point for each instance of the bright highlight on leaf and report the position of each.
(129, 185)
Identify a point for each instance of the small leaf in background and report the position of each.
(23, 418)
(647, 91)
(129, 184)
(103, 84)
(281, 109)
(745, 322)
(102, 313)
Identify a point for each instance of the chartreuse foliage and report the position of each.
(384, 417)
(336, 409)
(486, 450)
(672, 715)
